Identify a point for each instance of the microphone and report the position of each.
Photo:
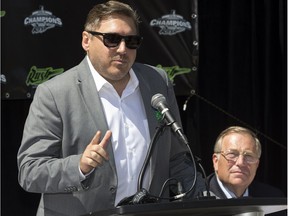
(159, 103)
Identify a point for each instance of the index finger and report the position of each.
(105, 139)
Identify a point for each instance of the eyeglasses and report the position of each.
(113, 40)
(233, 155)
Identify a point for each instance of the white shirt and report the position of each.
(229, 194)
(126, 118)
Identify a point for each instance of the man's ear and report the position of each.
(257, 164)
(85, 40)
(215, 161)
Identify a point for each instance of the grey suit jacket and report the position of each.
(64, 116)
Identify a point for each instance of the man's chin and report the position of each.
(239, 180)
(120, 64)
(120, 68)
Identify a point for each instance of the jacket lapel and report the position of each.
(147, 93)
(215, 187)
(92, 101)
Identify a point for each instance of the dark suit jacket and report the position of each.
(64, 116)
(256, 189)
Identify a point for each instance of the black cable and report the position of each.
(205, 176)
(165, 184)
(179, 196)
(143, 196)
(193, 92)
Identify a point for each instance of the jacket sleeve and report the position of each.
(41, 165)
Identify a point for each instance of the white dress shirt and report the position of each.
(126, 118)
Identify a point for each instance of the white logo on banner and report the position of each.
(42, 20)
(3, 79)
(171, 24)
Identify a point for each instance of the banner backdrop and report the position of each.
(41, 39)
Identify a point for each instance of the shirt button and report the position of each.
(112, 189)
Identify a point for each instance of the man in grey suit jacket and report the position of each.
(88, 130)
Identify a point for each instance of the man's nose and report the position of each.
(241, 160)
(122, 47)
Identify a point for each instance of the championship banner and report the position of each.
(40, 41)
(170, 31)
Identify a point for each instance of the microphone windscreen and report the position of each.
(157, 99)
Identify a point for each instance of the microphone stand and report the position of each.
(144, 192)
(142, 196)
(158, 131)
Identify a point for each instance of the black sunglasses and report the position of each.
(113, 39)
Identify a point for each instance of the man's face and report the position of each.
(112, 63)
(238, 175)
